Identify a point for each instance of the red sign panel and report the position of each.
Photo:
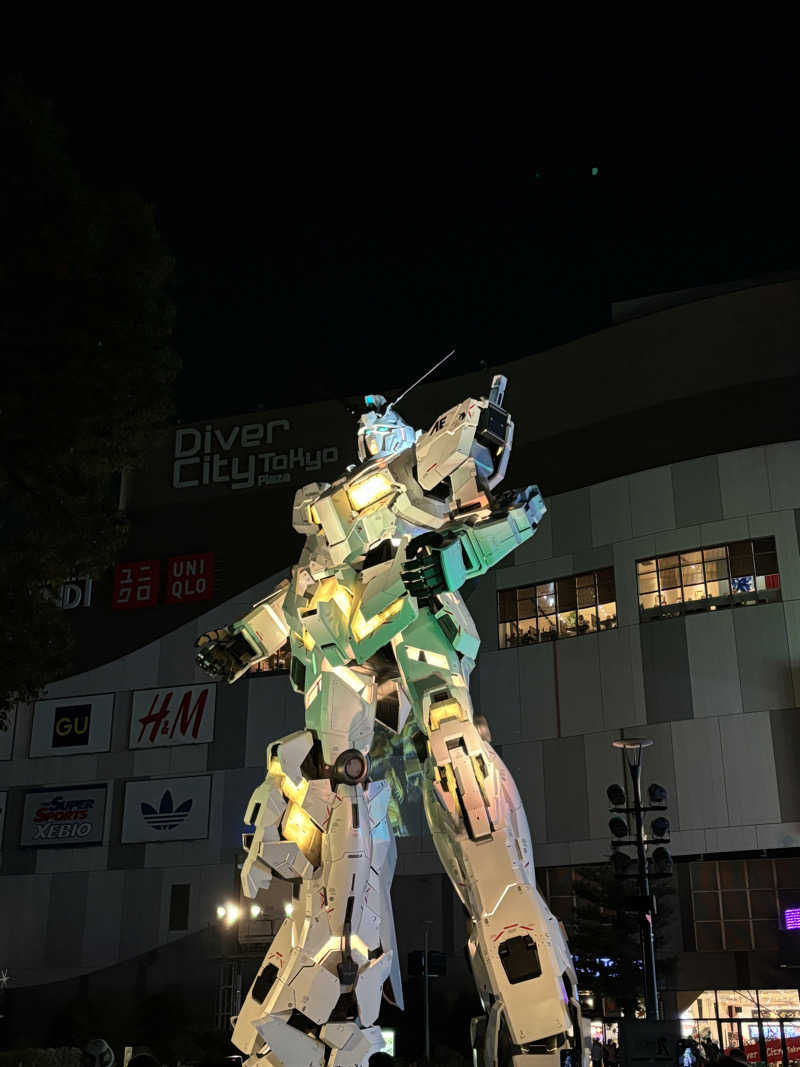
(179, 715)
(136, 584)
(190, 578)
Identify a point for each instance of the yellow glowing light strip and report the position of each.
(364, 627)
(362, 494)
(448, 709)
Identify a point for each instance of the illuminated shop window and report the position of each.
(705, 579)
(275, 664)
(753, 1019)
(563, 607)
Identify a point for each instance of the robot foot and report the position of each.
(493, 1046)
(338, 1045)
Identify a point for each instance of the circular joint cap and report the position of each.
(351, 767)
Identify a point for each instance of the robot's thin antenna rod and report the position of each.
(422, 379)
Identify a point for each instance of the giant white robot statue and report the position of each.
(377, 628)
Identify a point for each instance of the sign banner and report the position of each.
(7, 719)
(175, 715)
(166, 809)
(71, 816)
(3, 803)
(135, 584)
(190, 578)
(72, 725)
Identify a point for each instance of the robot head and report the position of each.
(382, 434)
(97, 1054)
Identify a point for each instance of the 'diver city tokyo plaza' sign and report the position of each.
(244, 456)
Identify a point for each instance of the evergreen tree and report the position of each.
(85, 320)
(605, 939)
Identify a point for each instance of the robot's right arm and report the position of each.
(229, 652)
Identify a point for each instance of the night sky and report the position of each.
(342, 242)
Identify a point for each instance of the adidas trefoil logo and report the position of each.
(167, 817)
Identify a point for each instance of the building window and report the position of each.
(276, 664)
(179, 907)
(705, 579)
(736, 903)
(756, 1020)
(563, 607)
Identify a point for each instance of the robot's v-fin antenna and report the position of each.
(422, 379)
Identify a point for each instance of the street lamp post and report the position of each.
(632, 748)
(426, 979)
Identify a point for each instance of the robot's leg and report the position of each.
(316, 996)
(519, 956)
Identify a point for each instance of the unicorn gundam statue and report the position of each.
(377, 629)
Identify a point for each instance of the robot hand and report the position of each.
(423, 574)
(223, 653)
(529, 499)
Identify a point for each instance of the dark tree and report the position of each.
(85, 321)
(604, 936)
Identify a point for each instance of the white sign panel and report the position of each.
(7, 719)
(71, 816)
(173, 715)
(72, 726)
(3, 802)
(166, 809)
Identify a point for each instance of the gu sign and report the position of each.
(173, 715)
(72, 725)
(70, 816)
(166, 809)
(190, 578)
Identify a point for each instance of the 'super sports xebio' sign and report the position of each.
(71, 816)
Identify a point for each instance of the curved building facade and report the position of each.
(659, 598)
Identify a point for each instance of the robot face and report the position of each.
(383, 435)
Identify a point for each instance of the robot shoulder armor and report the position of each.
(302, 518)
(448, 443)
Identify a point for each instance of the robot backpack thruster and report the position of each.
(378, 629)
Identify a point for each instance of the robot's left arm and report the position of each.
(229, 652)
(444, 560)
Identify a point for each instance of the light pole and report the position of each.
(426, 979)
(632, 749)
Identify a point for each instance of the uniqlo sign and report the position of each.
(173, 715)
(136, 584)
(190, 578)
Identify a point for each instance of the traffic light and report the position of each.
(616, 796)
(660, 827)
(662, 863)
(657, 795)
(618, 826)
(621, 862)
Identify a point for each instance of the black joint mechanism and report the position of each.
(351, 767)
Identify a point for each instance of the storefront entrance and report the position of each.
(764, 1022)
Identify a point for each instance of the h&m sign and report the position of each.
(173, 715)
